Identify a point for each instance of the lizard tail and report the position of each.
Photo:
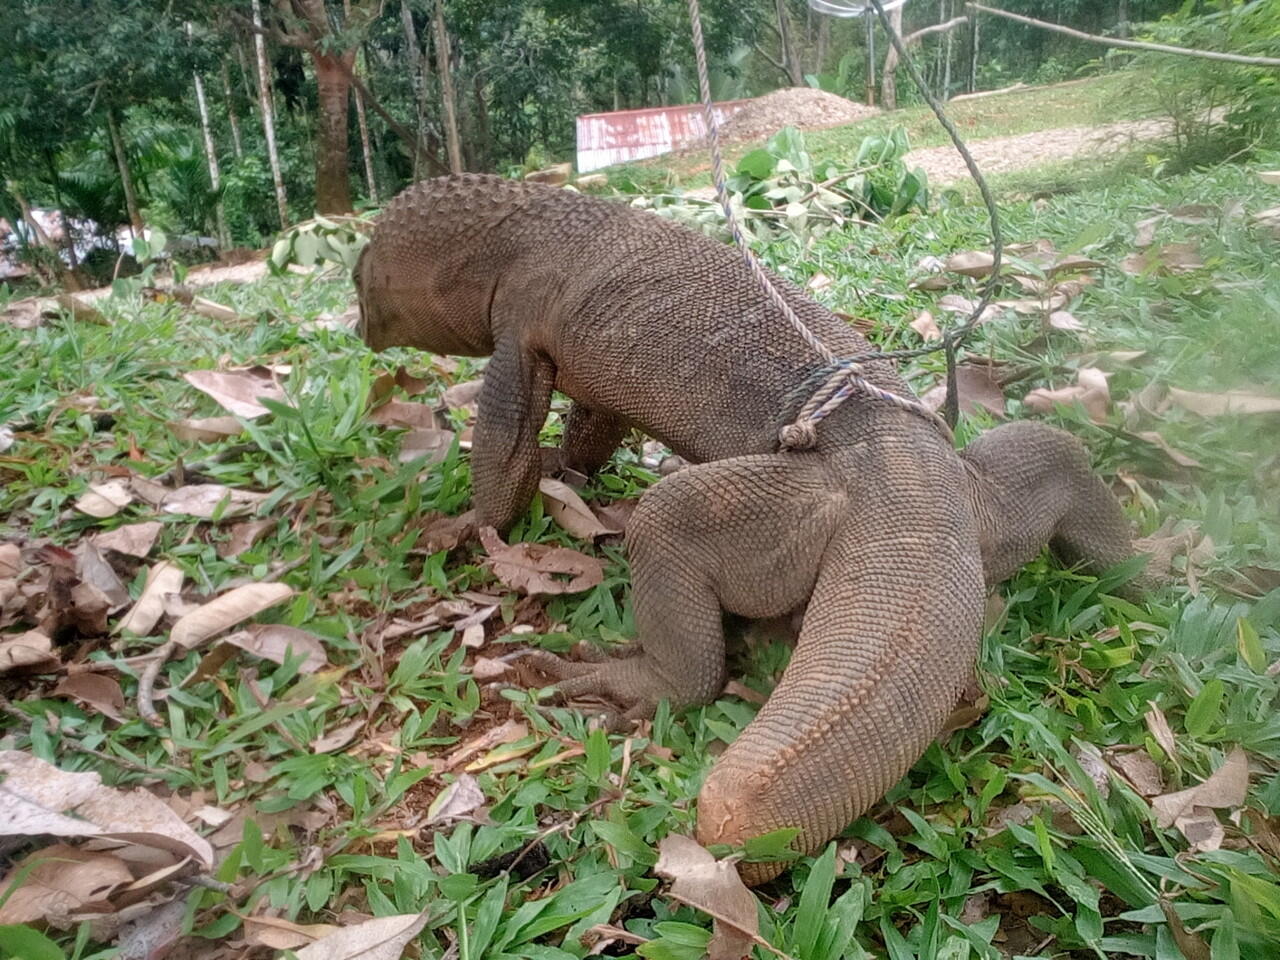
(889, 640)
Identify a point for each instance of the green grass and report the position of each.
(999, 842)
(1097, 100)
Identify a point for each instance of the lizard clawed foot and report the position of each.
(628, 681)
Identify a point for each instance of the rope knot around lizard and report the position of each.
(801, 435)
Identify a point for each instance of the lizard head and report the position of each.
(400, 305)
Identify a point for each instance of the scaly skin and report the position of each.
(883, 535)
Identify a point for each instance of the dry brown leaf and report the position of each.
(1190, 810)
(1174, 454)
(616, 514)
(446, 533)
(104, 500)
(1231, 401)
(1158, 724)
(10, 560)
(715, 887)
(1170, 258)
(571, 512)
(533, 568)
(971, 263)
(1090, 391)
(60, 881)
(223, 612)
(403, 413)
(94, 570)
(382, 938)
(238, 392)
(203, 500)
(1064, 320)
(386, 383)
(244, 535)
(278, 934)
(96, 690)
(508, 731)
(1191, 944)
(1145, 232)
(456, 800)
(205, 429)
(1139, 770)
(819, 281)
(30, 652)
(162, 579)
(132, 539)
(926, 326)
(37, 797)
(338, 737)
(430, 443)
(274, 641)
(463, 396)
(1073, 263)
(976, 387)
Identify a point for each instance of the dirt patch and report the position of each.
(799, 107)
(1006, 154)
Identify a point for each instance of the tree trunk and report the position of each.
(871, 61)
(824, 44)
(333, 184)
(232, 118)
(126, 178)
(268, 115)
(888, 81)
(973, 53)
(363, 124)
(416, 74)
(447, 94)
(211, 155)
(948, 50)
(485, 137)
(791, 62)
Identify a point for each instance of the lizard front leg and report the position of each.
(505, 460)
(1029, 485)
(742, 535)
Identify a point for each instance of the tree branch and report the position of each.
(1130, 44)
(776, 63)
(936, 28)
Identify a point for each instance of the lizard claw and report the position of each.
(622, 680)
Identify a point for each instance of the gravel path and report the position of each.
(1005, 154)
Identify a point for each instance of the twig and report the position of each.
(567, 825)
(717, 915)
(1129, 44)
(72, 743)
(222, 456)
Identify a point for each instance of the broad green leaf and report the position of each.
(1205, 710)
(758, 164)
(1250, 646)
(24, 943)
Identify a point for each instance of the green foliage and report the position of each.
(336, 240)
(780, 188)
(1214, 109)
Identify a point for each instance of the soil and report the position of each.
(800, 107)
(1005, 154)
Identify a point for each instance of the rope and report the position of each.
(848, 377)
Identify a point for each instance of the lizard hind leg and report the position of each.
(1029, 485)
(744, 535)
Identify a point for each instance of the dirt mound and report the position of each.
(792, 107)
